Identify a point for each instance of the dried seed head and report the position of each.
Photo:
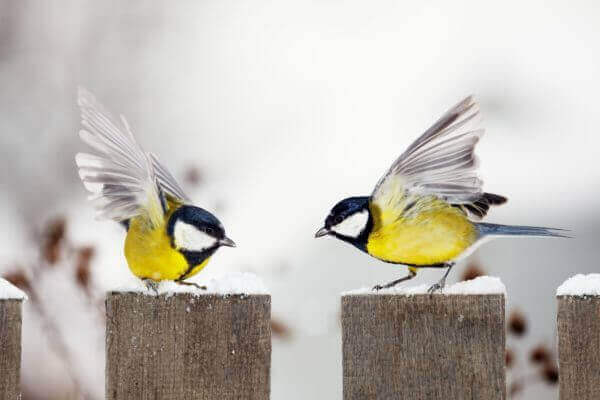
(540, 354)
(509, 358)
(82, 272)
(517, 324)
(471, 272)
(19, 279)
(53, 237)
(85, 254)
(279, 328)
(193, 176)
(82, 276)
(550, 372)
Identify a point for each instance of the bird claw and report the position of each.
(436, 287)
(151, 285)
(200, 287)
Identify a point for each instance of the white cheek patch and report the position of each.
(190, 238)
(353, 225)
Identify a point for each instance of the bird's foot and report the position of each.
(437, 287)
(200, 287)
(411, 275)
(151, 285)
(442, 283)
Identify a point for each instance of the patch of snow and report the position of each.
(231, 283)
(236, 283)
(10, 291)
(480, 285)
(580, 285)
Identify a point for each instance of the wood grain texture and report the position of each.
(423, 347)
(10, 349)
(187, 347)
(579, 347)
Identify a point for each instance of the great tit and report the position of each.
(418, 213)
(167, 237)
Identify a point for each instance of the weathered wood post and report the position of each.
(421, 346)
(11, 300)
(579, 337)
(188, 346)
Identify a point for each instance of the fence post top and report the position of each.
(581, 286)
(8, 291)
(232, 284)
(480, 286)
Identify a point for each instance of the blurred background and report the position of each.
(269, 112)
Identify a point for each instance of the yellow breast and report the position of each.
(437, 233)
(149, 253)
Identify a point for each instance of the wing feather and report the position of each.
(125, 180)
(167, 181)
(440, 163)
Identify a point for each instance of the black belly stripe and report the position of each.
(186, 273)
(195, 258)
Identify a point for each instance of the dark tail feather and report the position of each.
(480, 207)
(494, 199)
(515, 230)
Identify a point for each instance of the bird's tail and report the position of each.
(515, 230)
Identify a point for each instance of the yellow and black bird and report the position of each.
(418, 213)
(167, 237)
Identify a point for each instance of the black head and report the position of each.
(197, 230)
(349, 220)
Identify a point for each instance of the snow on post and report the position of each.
(187, 343)
(406, 344)
(11, 299)
(579, 337)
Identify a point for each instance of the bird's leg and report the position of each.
(440, 285)
(191, 284)
(411, 274)
(151, 285)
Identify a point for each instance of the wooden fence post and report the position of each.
(10, 341)
(186, 346)
(579, 347)
(423, 346)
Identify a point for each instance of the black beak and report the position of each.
(322, 232)
(227, 242)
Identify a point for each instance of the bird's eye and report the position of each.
(209, 231)
(338, 219)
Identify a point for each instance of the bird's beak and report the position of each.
(322, 232)
(227, 242)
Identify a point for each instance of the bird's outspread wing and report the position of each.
(167, 182)
(439, 165)
(125, 180)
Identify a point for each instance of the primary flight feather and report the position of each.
(167, 237)
(418, 213)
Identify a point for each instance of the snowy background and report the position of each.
(272, 111)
